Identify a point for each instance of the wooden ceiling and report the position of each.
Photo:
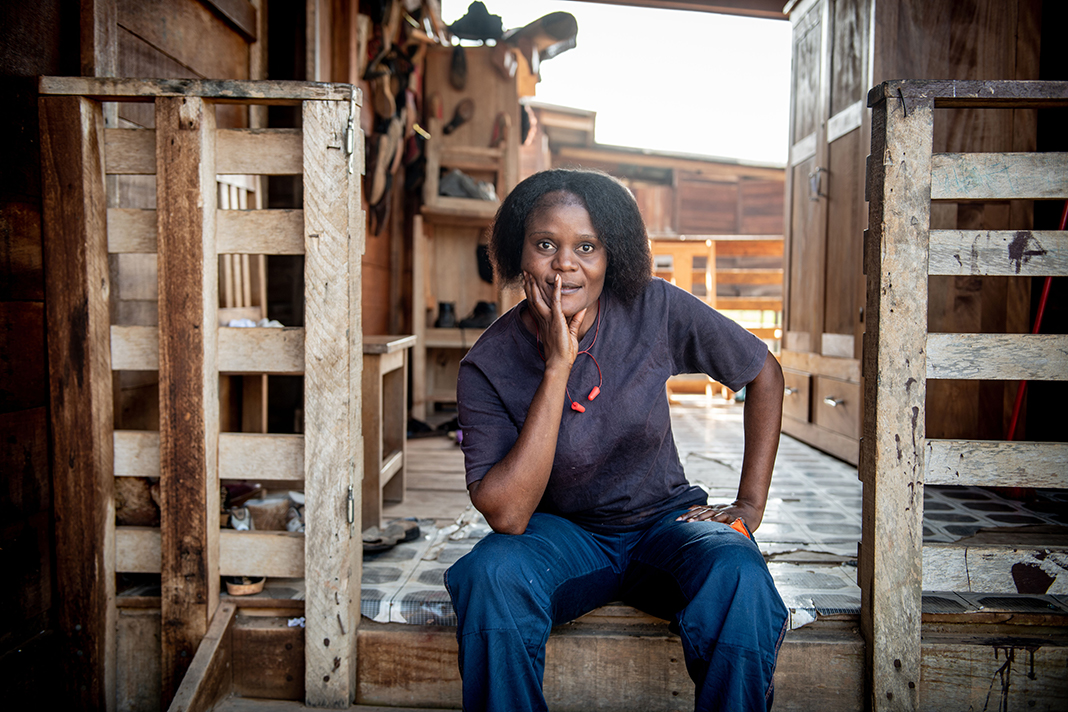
(772, 9)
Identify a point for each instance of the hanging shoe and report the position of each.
(544, 38)
(478, 24)
(464, 111)
(458, 68)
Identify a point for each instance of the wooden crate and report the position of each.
(187, 231)
(896, 458)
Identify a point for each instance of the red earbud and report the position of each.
(576, 406)
(594, 393)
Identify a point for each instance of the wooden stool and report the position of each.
(385, 422)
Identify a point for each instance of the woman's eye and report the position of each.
(545, 245)
(586, 249)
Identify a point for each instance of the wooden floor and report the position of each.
(435, 486)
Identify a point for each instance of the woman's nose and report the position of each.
(563, 260)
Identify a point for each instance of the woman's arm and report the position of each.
(762, 422)
(512, 489)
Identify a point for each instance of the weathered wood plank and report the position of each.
(995, 569)
(951, 93)
(1033, 253)
(242, 456)
(252, 232)
(333, 453)
(80, 393)
(261, 151)
(244, 553)
(261, 456)
(130, 151)
(998, 357)
(999, 176)
(189, 383)
(239, 151)
(211, 674)
(261, 350)
(269, 92)
(894, 368)
(260, 232)
(983, 463)
(240, 350)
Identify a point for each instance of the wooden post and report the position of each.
(186, 199)
(333, 445)
(895, 386)
(79, 363)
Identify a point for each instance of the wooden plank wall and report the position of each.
(990, 39)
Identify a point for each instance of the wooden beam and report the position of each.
(1015, 568)
(895, 386)
(982, 463)
(999, 176)
(333, 453)
(211, 674)
(186, 198)
(1032, 253)
(998, 357)
(239, 13)
(251, 232)
(79, 366)
(223, 91)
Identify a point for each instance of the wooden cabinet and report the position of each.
(450, 229)
(841, 48)
(824, 218)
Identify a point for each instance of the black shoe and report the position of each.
(446, 315)
(458, 69)
(485, 314)
(478, 24)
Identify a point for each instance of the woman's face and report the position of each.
(560, 240)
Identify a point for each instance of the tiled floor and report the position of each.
(809, 535)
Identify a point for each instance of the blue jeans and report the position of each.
(708, 580)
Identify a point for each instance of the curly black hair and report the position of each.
(613, 213)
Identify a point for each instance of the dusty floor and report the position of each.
(809, 535)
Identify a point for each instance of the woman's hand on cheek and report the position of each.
(559, 335)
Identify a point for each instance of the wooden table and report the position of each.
(385, 422)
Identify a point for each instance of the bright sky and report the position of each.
(667, 80)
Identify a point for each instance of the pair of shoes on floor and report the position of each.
(377, 539)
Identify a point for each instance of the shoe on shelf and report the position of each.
(446, 316)
(485, 313)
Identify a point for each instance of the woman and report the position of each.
(570, 457)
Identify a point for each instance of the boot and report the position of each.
(485, 314)
(478, 24)
(446, 315)
(544, 38)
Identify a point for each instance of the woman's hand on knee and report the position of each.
(725, 513)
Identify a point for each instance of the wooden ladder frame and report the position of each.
(896, 459)
(188, 231)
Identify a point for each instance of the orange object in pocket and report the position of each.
(739, 527)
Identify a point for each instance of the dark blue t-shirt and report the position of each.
(616, 467)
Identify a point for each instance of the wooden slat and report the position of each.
(990, 569)
(79, 366)
(895, 387)
(136, 453)
(999, 176)
(186, 198)
(268, 152)
(242, 456)
(983, 463)
(1031, 253)
(260, 232)
(951, 93)
(239, 151)
(261, 456)
(253, 232)
(998, 357)
(333, 453)
(261, 350)
(240, 350)
(749, 303)
(130, 151)
(269, 92)
(211, 674)
(241, 553)
(131, 230)
(135, 348)
(749, 276)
